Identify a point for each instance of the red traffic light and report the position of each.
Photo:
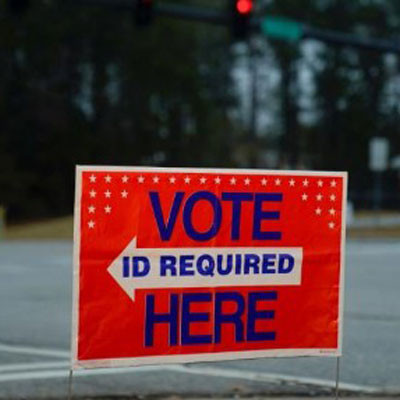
(241, 14)
(244, 6)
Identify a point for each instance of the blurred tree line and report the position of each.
(349, 97)
(82, 85)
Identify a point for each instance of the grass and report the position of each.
(57, 228)
(62, 228)
(385, 233)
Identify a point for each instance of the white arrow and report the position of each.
(197, 263)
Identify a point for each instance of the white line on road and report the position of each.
(59, 369)
(366, 250)
(33, 366)
(37, 351)
(53, 373)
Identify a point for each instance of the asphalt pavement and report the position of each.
(35, 315)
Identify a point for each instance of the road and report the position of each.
(35, 310)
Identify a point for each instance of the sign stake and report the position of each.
(70, 376)
(337, 378)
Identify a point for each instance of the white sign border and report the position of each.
(197, 357)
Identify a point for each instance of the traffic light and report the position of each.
(143, 12)
(241, 11)
(17, 7)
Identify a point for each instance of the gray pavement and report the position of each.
(35, 310)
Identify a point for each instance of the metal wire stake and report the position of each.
(337, 378)
(70, 385)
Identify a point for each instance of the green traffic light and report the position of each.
(282, 28)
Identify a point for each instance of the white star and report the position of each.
(304, 197)
(332, 197)
(331, 225)
(263, 181)
(91, 209)
(140, 179)
(318, 211)
(217, 180)
(332, 211)
(320, 183)
(333, 183)
(91, 224)
(233, 181)
(156, 179)
(124, 194)
(305, 182)
(92, 178)
(92, 193)
(277, 182)
(247, 181)
(186, 179)
(125, 179)
(107, 194)
(107, 209)
(203, 180)
(172, 179)
(291, 182)
(319, 197)
(107, 178)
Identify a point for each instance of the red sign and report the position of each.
(179, 265)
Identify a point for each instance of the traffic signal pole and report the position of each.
(179, 11)
(192, 13)
(345, 39)
(275, 27)
(290, 30)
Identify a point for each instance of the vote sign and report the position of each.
(180, 265)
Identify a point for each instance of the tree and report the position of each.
(84, 85)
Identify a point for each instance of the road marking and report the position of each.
(53, 370)
(207, 371)
(33, 366)
(52, 374)
(368, 250)
(37, 351)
